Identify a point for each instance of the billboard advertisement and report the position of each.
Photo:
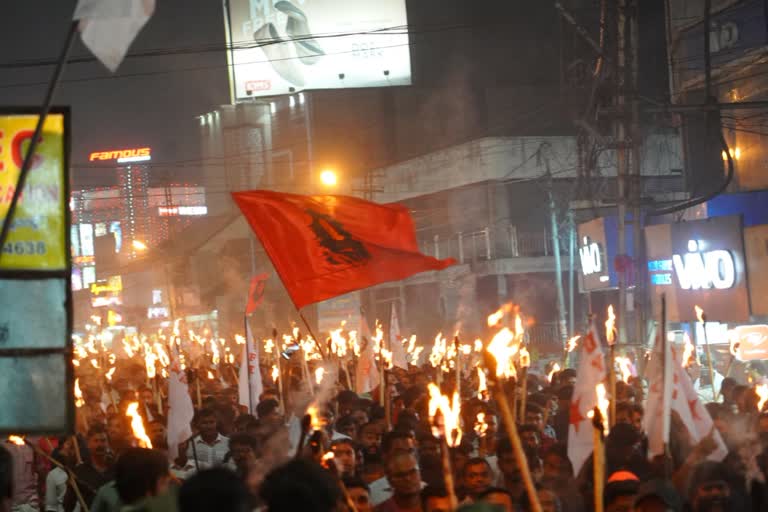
(284, 46)
(699, 263)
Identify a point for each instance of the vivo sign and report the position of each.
(591, 258)
(703, 270)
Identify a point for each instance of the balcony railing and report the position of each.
(486, 244)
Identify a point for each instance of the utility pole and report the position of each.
(558, 264)
(621, 164)
(571, 272)
(637, 183)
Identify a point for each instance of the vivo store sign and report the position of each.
(699, 263)
(697, 269)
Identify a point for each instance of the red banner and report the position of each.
(325, 246)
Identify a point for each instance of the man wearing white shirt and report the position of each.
(208, 448)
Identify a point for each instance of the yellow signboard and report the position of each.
(37, 240)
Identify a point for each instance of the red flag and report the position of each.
(325, 246)
(256, 293)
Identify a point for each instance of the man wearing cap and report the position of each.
(657, 496)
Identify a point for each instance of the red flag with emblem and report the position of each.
(325, 246)
(589, 374)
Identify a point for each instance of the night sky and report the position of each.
(150, 101)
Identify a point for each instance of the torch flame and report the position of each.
(553, 371)
(210, 375)
(481, 427)
(149, 362)
(687, 351)
(525, 358)
(625, 366)
(319, 374)
(450, 412)
(602, 405)
(110, 373)
(17, 440)
(762, 392)
(317, 422)
(482, 384)
(699, 313)
(137, 425)
(519, 331)
(328, 456)
(610, 326)
(275, 373)
(503, 347)
(573, 343)
(79, 402)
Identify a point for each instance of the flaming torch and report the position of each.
(610, 335)
(703, 319)
(482, 385)
(525, 362)
(449, 434)
(17, 440)
(137, 425)
(762, 392)
(570, 347)
(600, 429)
(552, 372)
(497, 358)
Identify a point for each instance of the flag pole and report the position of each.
(312, 334)
(44, 110)
(598, 459)
(248, 338)
(666, 412)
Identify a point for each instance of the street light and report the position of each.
(328, 178)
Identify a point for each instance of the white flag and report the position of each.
(180, 409)
(679, 395)
(590, 373)
(399, 358)
(367, 374)
(108, 27)
(250, 385)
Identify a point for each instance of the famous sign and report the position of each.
(699, 263)
(282, 46)
(122, 156)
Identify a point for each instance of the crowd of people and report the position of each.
(355, 455)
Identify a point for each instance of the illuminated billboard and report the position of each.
(123, 156)
(282, 46)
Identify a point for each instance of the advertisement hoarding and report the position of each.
(36, 373)
(282, 46)
(699, 263)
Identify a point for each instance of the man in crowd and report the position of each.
(477, 478)
(209, 447)
(359, 494)
(344, 457)
(94, 473)
(404, 478)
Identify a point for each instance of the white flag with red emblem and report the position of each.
(180, 408)
(399, 358)
(677, 395)
(249, 385)
(108, 27)
(367, 374)
(589, 374)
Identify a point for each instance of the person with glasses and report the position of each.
(404, 477)
(359, 493)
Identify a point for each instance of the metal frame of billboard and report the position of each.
(64, 274)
